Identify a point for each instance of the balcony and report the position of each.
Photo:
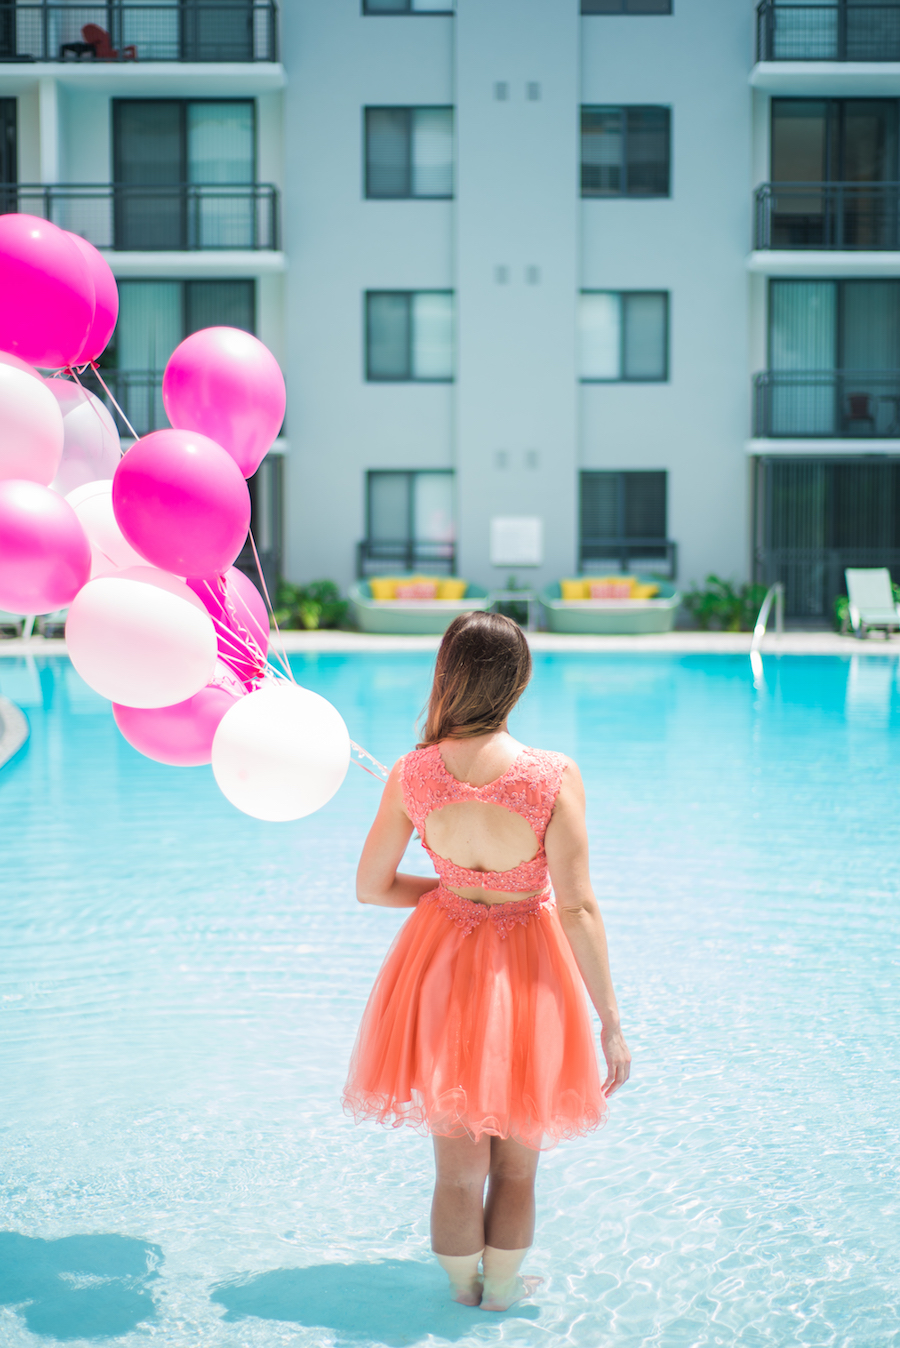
(233, 30)
(376, 556)
(827, 404)
(135, 218)
(828, 216)
(656, 555)
(840, 31)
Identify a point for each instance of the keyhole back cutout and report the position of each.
(480, 836)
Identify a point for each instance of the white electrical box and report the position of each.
(517, 540)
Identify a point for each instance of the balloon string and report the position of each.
(96, 369)
(262, 580)
(90, 401)
(382, 773)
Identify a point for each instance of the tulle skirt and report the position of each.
(478, 1023)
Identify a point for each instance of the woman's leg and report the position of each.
(508, 1223)
(457, 1213)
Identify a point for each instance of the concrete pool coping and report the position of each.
(671, 643)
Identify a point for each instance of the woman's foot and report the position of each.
(500, 1296)
(467, 1293)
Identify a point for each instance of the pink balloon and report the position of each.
(180, 500)
(241, 620)
(46, 293)
(224, 383)
(45, 557)
(106, 295)
(180, 735)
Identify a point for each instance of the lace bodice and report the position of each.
(529, 788)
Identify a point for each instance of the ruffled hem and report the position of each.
(446, 1119)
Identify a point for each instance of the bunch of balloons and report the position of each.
(141, 548)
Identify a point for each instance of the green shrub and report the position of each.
(724, 606)
(318, 604)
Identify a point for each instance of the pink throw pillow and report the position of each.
(420, 589)
(611, 589)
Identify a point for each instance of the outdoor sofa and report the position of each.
(412, 616)
(653, 610)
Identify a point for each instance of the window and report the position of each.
(626, 6)
(625, 152)
(165, 143)
(834, 359)
(8, 158)
(409, 152)
(623, 517)
(408, 6)
(409, 335)
(624, 335)
(409, 519)
(154, 316)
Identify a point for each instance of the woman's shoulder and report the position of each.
(550, 757)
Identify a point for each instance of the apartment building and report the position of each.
(556, 286)
(825, 308)
(155, 131)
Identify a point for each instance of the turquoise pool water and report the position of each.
(180, 988)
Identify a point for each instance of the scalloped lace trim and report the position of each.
(468, 915)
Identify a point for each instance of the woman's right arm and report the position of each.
(377, 879)
(566, 845)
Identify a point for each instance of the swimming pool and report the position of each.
(180, 987)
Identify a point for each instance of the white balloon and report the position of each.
(7, 358)
(141, 638)
(31, 427)
(281, 752)
(110, 552)
(91, 447)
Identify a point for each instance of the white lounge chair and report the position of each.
(872, 602)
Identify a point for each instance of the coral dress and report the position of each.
(478, 1021)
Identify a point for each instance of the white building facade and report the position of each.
(556, 287)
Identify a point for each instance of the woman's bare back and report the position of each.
(476, 834)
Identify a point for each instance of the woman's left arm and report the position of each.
(377, 880)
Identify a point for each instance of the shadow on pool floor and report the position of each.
(78, 1287)
(393, 1302)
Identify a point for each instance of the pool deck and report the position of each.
(673, 643)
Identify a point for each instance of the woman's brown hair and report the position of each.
(482, 669)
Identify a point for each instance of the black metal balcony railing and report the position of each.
(229, 30)
(827, 404)
(828, 215)
(138, 393)
(659, 555)
(840, 31)
(134, 217)
(374, 556)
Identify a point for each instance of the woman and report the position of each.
(477, 1029)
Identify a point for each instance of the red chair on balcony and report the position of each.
(861, 413)
(99, 39)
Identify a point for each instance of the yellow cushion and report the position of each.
(452, 589)
(574, 589)
(383, 588)
(639, 591)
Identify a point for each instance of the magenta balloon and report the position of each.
(106, 300)
(180, 500)
(45, 556)
(46, 293)
(181, 735)
(224, 383)
(241, 619)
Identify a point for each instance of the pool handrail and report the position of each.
(774, 593)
